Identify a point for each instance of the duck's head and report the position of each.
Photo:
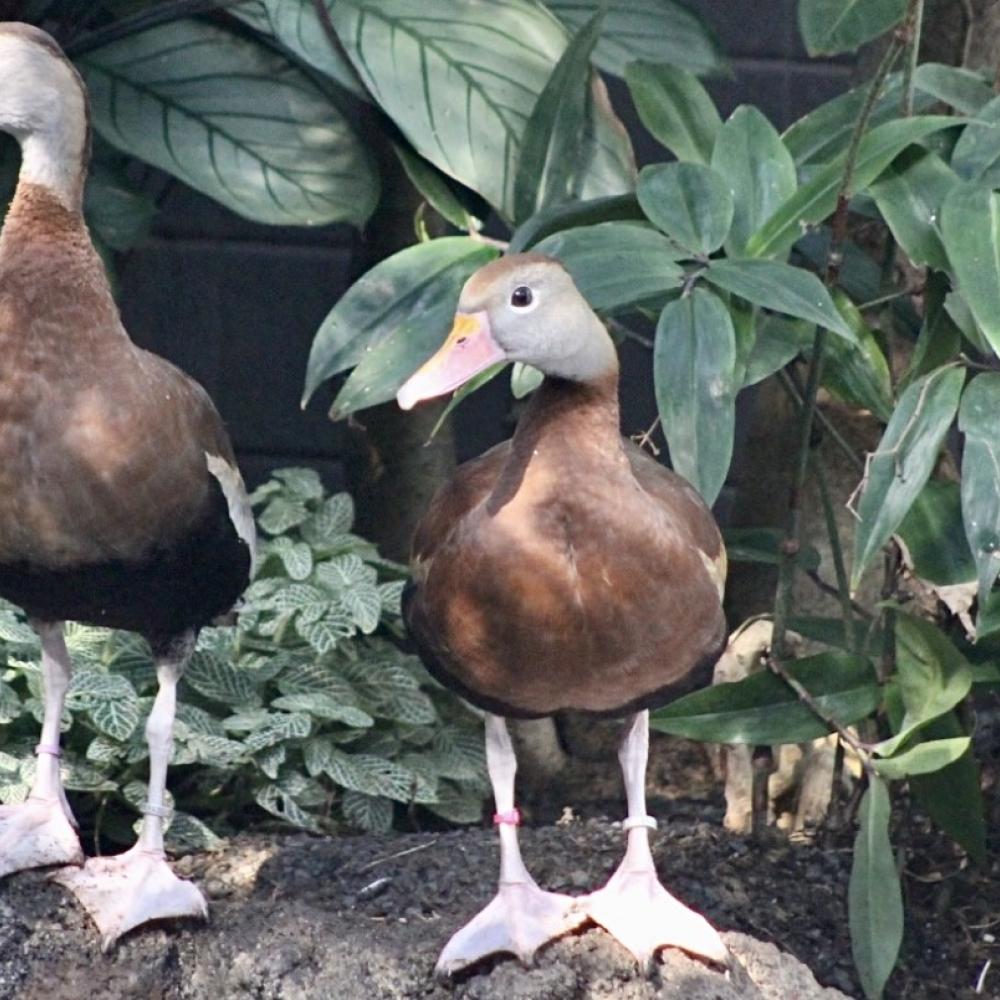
(524, 307)
(43, 104)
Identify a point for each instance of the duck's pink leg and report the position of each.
(41, 830)
(521, 917)
(633, 906)
(130, 889)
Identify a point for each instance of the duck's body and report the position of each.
(109, 513)
(564, 569)
(556, 571)
(120, 501)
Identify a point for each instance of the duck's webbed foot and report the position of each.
(36, 833)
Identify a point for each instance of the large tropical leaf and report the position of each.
(404, 288)
(658, 30)
(234, 119)
(461, 87)
(694, 362)
(689, 202)
(976, 156)
(831, 26)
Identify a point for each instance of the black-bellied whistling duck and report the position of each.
(120, 501)
(563, 569)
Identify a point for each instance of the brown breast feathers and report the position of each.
(565, 569)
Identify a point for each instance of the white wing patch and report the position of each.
(235, 492)
(716, 569)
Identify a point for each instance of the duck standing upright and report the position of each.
(120, 501)
(563, 569)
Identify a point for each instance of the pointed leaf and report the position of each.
(416, 287)
(781, 287)
(617, 208)
(750, 155)
(676, 109)
(778, 340)
(762, 708)
(832, 26)
(524, 380)
(976, 156)
(693, 364)
(970, 224)
(550, 160)
(935, 550)
(658, 30)
(616, 265)
(272, 148)
(437, 189)
(874, 897)
(817, 198)
(689, 202)
(902, 463)
(924, 758)
(977, 419)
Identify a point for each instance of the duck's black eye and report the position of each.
(521, 297)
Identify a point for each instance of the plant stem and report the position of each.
(912, 26)
(843, 589)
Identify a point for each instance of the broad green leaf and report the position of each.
(951, 796)
(676, 109)
(817, 198)
(461, 88)
(778, 340)
(295, 24)
(940, 339)
(658, 30)
(616, 264)
(372, 813)
(416, 287)
(281, 514)
(763, 545)
(832, 26)
(437, 189)
(961, 315)
(234, 119)
(220, 681)
(763, 709)
(279, 803)
(693, 361)
(932, 678)
(751, 157)
(324, 706)
(117, 716)
(924, 758)
(617, 208)
(365, 606)
(832, 632)
(970, 224)
(689, 202)
(966, 90)
(937, 550)
(550, 160)
(978, 420)
(279, 728)
(858, 372)
(874, 897)
(902, 463)
(296, 557)
(909, 194)
(781, 287)
(976, 156)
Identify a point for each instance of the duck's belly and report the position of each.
(596, 626)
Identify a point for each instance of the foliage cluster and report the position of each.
(306, 710)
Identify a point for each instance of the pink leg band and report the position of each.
(510, 818)
(49, 748)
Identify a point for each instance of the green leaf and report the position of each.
(187, 833)
(10, 704)
(778, 341)
(874, 897)
(781, 287)
(296, 25)
(689, 202)
(461, 89)
(279, 728)
(763, 709)
(296, 557)
(657, 30)
(937, 551)
(118, 715)
(550, 160)
(281, 514)
(763, 545)
(279, 803)
(436, 188)
(617, 208)
(325, 634)
(372, 813)
(976, 156)
(272, 148)
(977, 419)
(904, 460)
(940, 340)
(932, 676)
(832, 26)
(118, 213)
(676, 109)
(333, 518)
(220, 681)
(751, 157)
(693, 362)
(616, 265)
(364, 603)
(323, 706)
(970, 224)
(410, 291)
(909, 194)
(966, 90)
(524, 380)
(858, 372)
(923, 758)
(817, 198)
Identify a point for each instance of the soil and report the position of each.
(296, 917)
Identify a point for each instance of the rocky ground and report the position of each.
(295, 917)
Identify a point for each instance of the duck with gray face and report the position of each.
(564, 569)
(120, 501)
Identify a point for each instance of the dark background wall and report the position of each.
(236, 304)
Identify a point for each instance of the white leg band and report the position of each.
(632, 822)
